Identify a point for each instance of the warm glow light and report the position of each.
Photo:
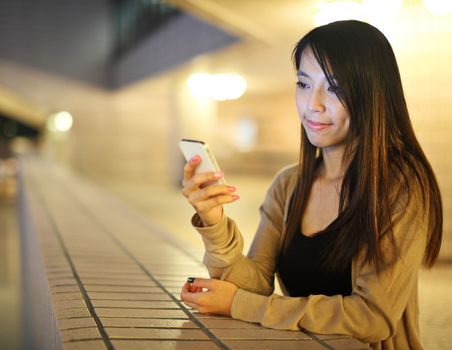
(219, 87)
(439, 7)
(246, 135)
(381, 10)
(60, 122)
(339, 10)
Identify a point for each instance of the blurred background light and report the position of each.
(439, 7)
(331, 11)
(380, 10)
(60, 122)
(246, 136)
(219, 87)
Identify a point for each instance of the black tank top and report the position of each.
(300, 267)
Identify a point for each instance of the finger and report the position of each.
(204, 206)
(190, 297)
(184, 289)
(202, 180)
(211, 191)
(208, 283)
(190, 167)
(192, 305)
(194, 289)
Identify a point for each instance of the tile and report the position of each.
(135, 304)
(137, 276)
(55, 260)
(117, 282)
(69, 304)
(273, 345)
(173, 285)
(154, 333)
(67, 296)
(55, 282)
(58, 267)
(347, 344)
(199, 315)
(51, 269)
(130, 296)
(59, 274)
(85, 345)
(164, 345)
(71, 313)
(94, 288)
(151, 313)
(260, 333)
(60, 289)
(108, 268)
(147, 323)
(72, 323)
(174, 289)
(80, 334)
(173, 281)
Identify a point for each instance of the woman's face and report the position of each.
(323, 116)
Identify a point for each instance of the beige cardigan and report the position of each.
(382, 309)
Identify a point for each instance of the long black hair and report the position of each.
(384, 152)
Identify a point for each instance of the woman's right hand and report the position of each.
(204, 194)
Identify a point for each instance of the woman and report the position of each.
(348, 229)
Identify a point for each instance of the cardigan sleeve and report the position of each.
(376, 304)
(224, 243)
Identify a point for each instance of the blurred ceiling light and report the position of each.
(330, 11)
(380, 10)
(439, 7)
(219, 87)
(60, 122)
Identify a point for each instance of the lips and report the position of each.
(317, 126)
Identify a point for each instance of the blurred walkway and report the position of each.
(168, 208)
(10, 311)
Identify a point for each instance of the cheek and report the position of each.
(299, 103)
(345, 126)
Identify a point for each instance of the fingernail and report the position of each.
(217, 175)
(231, 189)
(235, 197)
(195, 158)
(190, 279)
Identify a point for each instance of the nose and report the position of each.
(316, 101)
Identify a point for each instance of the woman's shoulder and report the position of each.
(405, 187)
(285, 180)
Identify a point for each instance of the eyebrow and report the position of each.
(302, 74)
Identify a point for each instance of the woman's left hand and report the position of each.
(209, 296)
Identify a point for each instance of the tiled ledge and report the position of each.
(113, 280)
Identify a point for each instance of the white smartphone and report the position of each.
(208, 163)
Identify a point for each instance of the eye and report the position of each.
(302, 85)
(334, 89)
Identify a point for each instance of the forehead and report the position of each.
(308, 65)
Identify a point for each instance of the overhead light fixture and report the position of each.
(60, 122)
(218, 87)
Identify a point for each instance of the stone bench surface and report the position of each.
(114, 278)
